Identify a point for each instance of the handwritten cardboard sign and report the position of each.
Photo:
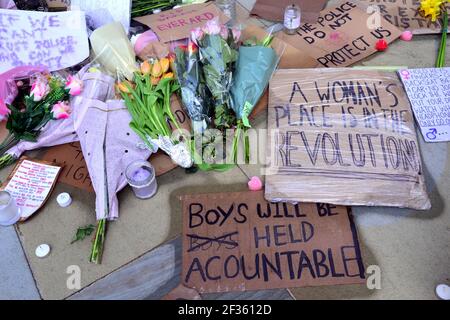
(102, 12)
(177, 24)
(405, 15)
(58, 4)
(429, 93)
(274, 10)
(342, 36)
(345, 137)
(57, 40)
(239, 242)
(30, 184)
(75, 172)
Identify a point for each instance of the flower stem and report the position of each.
(442, 48)
(6, 160)
(99, 241)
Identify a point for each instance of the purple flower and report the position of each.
(212, 27)
(197, 35)
(236, 34)
(224, 32)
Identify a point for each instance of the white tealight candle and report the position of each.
(42, 251)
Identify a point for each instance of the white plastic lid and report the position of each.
(42, 251)
(443, 291)
(64, 200)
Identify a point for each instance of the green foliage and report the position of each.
(149, 106)
(82, 233)
(26, 123)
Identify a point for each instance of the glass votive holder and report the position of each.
(142, 179)
(9, 211)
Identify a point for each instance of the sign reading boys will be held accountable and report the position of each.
(56, 40)
(342, 36)
(239, 242)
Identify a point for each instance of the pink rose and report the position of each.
(61, 110)
(75, 86)
(236, 34)
(224, 32)
(39, 89)
(212, 27)
(4, 111)
(197, 35)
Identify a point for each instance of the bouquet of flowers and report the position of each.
(48, 100)
(434, 9)
(218, 46)
(256, 64)
(148, 101)
(195, 95)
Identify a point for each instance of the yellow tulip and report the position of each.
(146, 67)
(165, 64)
(157, 70)
(168, 75)
(155, 80)
(122, 87)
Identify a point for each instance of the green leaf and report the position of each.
(82, 233)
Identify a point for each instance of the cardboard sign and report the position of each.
(239, 242)
(56, 40)
(58, 4)
(429, 93)
(102, 12)
(341, 37)
(274, 10)
(177, 24)
(30, 184)
(405, 15)
(75, 172)
(345, 137)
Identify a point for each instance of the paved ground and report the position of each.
(412, 248)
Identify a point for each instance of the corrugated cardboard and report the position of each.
(240, 242)
(345, 137)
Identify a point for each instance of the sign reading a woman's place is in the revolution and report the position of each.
(345, 137)
(239, 242)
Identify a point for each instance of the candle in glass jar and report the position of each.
(9, 212)
(292, 19)
(141, 177)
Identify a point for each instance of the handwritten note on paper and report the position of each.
(101, 12)
(239, 242)
(429, 93)
(57, 40)
(30, 185)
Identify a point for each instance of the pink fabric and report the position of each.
(143, 40)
